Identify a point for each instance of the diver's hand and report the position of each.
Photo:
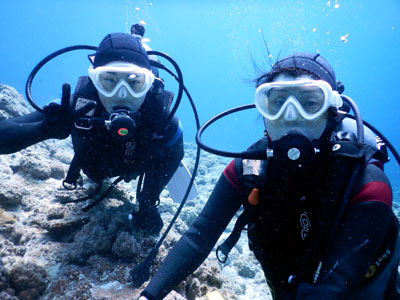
(143, 298)
(59, 119)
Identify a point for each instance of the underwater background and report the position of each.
(219, 45)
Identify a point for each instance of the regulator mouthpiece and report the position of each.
(121, 125)
(294, 152)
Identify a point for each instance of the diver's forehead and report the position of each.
(286, 77)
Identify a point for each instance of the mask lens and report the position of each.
(108, 80)
(275, 98)
(309, 98)
(136, 82)
(111, 78)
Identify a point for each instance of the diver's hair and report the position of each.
(293, 72)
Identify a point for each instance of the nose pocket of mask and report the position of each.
(122, 93)
(291, 113)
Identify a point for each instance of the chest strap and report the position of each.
(226, 247)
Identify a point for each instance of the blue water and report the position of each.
(216, 44)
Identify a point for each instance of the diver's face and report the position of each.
(292, 120)
(121, 85)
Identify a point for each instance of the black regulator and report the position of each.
(293, 151)
(121, 124)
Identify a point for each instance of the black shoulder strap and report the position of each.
(85, 88)
(226, 247)
(249, 182)
(156, 107)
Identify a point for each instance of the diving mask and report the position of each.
(122, 78)
(311, 98)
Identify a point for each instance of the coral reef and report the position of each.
(50, 250)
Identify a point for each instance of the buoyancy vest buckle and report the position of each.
(83, 124)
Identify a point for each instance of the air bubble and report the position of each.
(343, 38)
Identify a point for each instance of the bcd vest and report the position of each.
(295, 212)
(99, 155)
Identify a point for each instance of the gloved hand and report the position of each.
(59, 119)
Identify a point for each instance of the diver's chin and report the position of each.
(120, 108)
(114, 103)
(294, 131)
(311, 135)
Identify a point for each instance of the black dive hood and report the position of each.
(291, 148)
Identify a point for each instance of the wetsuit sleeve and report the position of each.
(21, 132)
(367, 225)
(196, 243)
(171, 154)
(231, 171)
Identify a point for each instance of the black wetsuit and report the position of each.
(21, 132)
(155, 149)
(362, 260)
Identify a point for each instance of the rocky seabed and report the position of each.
(50, 250)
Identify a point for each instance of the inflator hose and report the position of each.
(42, 63)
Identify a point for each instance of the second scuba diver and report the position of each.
(319, 209)
(117, 118)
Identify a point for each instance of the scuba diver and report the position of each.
(118, 121)
(317, 206)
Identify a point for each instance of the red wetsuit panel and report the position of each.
(374, 191)
(230, 174)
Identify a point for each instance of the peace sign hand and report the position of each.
(59, 119)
